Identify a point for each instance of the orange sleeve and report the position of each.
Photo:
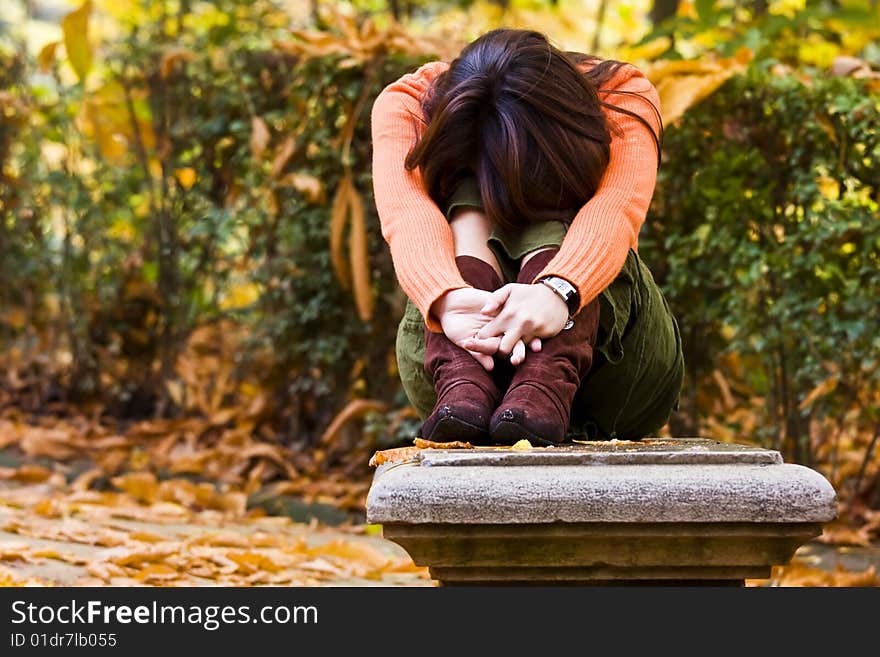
(603, 230)
(415, 229)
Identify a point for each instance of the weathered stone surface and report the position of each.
(492, 494)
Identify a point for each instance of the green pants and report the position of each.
(634, 383)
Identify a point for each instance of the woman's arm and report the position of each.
(604, 229)
(415, 229)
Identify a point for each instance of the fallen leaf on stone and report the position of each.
(421, 443)
(397, 455)
(521, 445)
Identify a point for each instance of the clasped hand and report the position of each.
(504, 321)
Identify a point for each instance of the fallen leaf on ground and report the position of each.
(840, 533)
(798, 573)
(26, 473)
(119, 539)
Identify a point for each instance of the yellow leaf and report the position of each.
(171, 58)
(284, 152)
(683, 83)
(47, 56)
(75, 26)
(359, 257)
(186, 177)
(175, 391)
(140, 485)
(650, 50)
(354, 409)
(310, 186)
(28, 474)
(817, 51)
(825, 388)
(157, 571)
(104, 117)
(84, 480)
(678, 94)
(259, 136)
(521, 445)
(16, 317)
(251, 562)
(122, 229)
(338, 221)
(46, 508)
(828, 187)
(240, 295)
(396, 455)
(421, 443)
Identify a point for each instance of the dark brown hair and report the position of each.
(519, 114)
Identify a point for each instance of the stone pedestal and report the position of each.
(681, 511)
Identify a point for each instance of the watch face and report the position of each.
(565, 290)
(563, 287)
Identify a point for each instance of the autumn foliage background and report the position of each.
(195, 288)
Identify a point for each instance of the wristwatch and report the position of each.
(565, 290)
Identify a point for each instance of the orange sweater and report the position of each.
(600, 235)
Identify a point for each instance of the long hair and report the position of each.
(519, 114)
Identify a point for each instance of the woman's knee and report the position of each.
(531, 254)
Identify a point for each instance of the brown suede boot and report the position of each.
(466, 393)
(537, 404)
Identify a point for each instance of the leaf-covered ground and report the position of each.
(176, 533)
(183, 502)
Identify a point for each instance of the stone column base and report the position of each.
(654, 511)
(601, 553)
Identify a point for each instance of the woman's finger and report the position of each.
(486, 361)
(535, 344)
(508, 341)
(487, 346)
(495, 328)
(519, 353)
(496, 300)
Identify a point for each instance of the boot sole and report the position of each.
(451, 428)
(508, 433)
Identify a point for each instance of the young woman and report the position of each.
(511, 185)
